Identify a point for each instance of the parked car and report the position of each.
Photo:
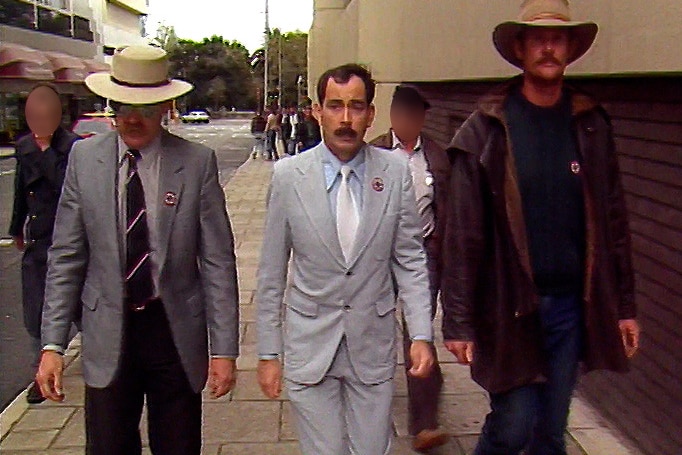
(195, 117)
(94, 123)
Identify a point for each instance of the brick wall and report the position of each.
(647, 119)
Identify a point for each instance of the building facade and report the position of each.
(635, 70)
(59, 41)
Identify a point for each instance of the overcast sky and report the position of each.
(241, 20)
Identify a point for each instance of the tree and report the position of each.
(294, 50)
(219, 70)
(165, 38)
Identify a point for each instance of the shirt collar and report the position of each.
(332, 165)
(397, 144)
(148, 153)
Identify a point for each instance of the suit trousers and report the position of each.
(341, 415)
(150, 368)
(423, 394)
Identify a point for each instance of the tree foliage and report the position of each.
(219, 70)
(225, 74)
(293, 47)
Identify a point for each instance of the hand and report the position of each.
(222, 376)
(463, 350)
(270, 377)
(629, 331)
(421, 357)
(49, 376)
(19, 242)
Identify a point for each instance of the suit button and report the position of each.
(346, 308)
(33, 217)
(349, 272)
(31, 193)
(517, 314)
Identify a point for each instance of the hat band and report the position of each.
(136, 85)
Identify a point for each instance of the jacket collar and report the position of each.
(492, 104)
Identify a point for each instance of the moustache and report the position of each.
(346, 132)
(552, 60)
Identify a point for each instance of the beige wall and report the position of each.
(135, 6)
(436, 40)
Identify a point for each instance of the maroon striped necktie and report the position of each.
(138, 279)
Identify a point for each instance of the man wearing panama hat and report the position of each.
(537, 273)
(143, 242)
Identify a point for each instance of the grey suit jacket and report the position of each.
(327, 297)
(198, 277)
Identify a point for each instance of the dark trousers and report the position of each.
(423, 394)
(271, 144)
(534, 417)
(150, 367)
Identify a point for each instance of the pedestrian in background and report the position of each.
(285, 129)
(143, 243)
(430, 169)
(308, 133)
(342, 218)
(272, 129)
(258, 124)
(537, 259)
(42, 157)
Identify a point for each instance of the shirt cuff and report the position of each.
(422, 338)
(268, 356)
(54, 347)
(230, 357)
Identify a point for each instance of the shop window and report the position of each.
(81, 29)
(51, 21)
(16, 13)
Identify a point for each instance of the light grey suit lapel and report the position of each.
(171, 184)
(312, 194)
(374, 202)
(106, 176)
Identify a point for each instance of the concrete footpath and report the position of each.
(245, 422)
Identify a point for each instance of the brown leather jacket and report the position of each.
(487, 287)
(439, 166)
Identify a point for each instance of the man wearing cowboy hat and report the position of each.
(143, 240)
(537, 273)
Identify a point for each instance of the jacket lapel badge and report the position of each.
(170, 199)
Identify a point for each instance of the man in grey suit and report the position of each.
(344, 214)
(143, 240)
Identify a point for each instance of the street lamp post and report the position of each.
(267, 45)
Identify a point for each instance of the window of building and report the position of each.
(49, 16)
(16, 13)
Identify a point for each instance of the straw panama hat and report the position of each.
(543, 13)
(139, 75)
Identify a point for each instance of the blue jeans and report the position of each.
(534, 417)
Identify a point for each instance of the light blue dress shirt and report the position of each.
(332, 176)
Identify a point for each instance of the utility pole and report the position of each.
(267, 65)
(280, 96)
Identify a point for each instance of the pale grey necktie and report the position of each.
(347, 217)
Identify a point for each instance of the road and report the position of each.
(232, 141)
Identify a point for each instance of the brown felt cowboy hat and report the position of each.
(543, 13)
(139, 75)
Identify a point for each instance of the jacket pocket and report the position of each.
(297, 302)
(90, 296)
(385, 305)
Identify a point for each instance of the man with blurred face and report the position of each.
(41, 162)
(430, 171)
(537, 264)
(342, 218)
(143, 242)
